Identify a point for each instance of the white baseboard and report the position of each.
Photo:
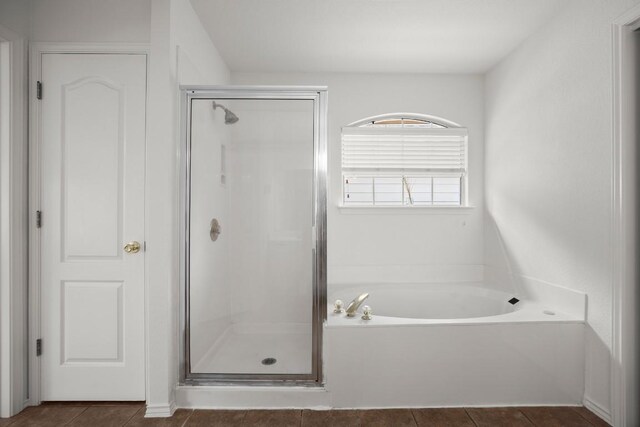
(597, 409)
(160, 410)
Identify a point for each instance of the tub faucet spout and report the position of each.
(353, 306)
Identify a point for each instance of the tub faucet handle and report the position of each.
(366, 313)
(338, 306)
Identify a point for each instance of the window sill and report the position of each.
(406, 210)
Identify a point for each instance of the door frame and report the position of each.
(35, 306)
(13, 243)
(624, 381)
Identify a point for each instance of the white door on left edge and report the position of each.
(92, 133)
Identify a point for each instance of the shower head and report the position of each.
(229, 117)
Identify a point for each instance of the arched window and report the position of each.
(404, 159)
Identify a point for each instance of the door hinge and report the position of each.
(38, 219)
(39, 90)
(39, 347)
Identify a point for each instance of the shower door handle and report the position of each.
(215, 230)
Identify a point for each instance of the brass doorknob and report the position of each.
(132, 247)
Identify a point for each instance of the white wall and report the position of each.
(210, 287)
(399, 246)
(270, 172)
(548, 169)
(15, 15)
(13, 207)
(626, 316)
(125, 21)
(197, 61)
(181, 53)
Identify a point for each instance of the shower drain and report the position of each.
(269, 361)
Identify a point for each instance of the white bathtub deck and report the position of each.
(527, 312)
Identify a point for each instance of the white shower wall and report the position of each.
(209, 261)
(269, 171)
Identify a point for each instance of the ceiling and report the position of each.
(394, 36)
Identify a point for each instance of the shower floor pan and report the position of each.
(246, 348)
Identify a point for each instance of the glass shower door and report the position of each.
(253, 292)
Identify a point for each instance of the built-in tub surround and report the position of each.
(452, 345)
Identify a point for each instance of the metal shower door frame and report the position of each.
(317, 94)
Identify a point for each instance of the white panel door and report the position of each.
(92, 202)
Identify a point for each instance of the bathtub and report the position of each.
(438, 345)
(467, 303)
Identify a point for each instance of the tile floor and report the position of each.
(132, 414)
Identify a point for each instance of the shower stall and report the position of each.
(253, 244)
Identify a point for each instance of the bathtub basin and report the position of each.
(432, 301)
(450, 303)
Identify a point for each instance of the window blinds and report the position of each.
(404, 150)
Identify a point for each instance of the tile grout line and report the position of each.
(80, 413)
(583, 417)
(466, 411)
(144, 407)
(134, 414)
(243, 417)
(415, 420)
(187, 419)
(528, 419)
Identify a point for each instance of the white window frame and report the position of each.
(464, 183)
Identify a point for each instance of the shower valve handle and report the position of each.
(215, 229)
